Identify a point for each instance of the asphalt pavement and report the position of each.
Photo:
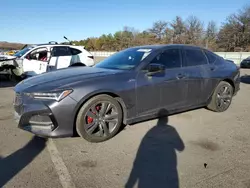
(193, 149)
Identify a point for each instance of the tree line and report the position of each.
(233, 35)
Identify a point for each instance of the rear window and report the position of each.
(60, 51)
(75, 51)
(194, 57)
(210, 56)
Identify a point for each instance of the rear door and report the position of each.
(211, 72)
(60, 57)
(194, 63)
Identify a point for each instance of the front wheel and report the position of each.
(13, 75)
(221, 98)
(99, 119)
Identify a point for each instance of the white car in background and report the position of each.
(37, 59)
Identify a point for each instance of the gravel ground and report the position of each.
(198, 148)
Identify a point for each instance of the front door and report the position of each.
(174, 87)
(36, 62)
(163, 90)
(148, 92)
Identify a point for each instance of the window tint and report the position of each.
(125, 59)
(169, 58)
(194, 57)
(211, 57)
(75, 51)
(60, 51)
(39, 54)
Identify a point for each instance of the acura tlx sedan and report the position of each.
(132, 85)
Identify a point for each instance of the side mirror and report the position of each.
(155, 68)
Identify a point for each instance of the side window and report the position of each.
(169, 58)
(60, 51)
(211, 57)
(194, 57)
(75, 51)
(39, 54)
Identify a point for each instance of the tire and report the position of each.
(13, 77)
(102, 127)
(221, 99)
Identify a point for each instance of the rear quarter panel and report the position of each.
(225, 70)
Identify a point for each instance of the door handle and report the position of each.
(180, 76)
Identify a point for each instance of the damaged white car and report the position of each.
(36, 59)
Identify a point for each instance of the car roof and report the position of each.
(159, 46)
(68, 45)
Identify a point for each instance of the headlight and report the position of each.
(57, 96)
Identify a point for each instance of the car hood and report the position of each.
(62, 77)
(7, 57)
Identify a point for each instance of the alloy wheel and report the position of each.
(224, 97)
(101, 119)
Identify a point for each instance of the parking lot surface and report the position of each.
(197, 148)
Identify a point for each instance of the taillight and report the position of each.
(91, 57)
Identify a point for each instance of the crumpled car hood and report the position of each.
(7, 57)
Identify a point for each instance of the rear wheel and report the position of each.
(99, 119)
(221, 98)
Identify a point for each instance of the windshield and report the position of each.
(22, 52)
(125, 60)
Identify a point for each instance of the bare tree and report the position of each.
(179, 35)
(211, 35)
(194, 30)
(159, 29)
(235, 32)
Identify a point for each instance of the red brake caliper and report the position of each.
(90, 119)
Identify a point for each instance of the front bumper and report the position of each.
(45, 118)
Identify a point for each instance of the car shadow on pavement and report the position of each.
(245, 79)
(5, 82)
(14, 163)
(156, 160)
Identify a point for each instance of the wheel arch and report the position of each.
(110, 93)
(230, 81)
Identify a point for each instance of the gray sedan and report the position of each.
(135, 84)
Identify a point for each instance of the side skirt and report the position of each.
(154, 115)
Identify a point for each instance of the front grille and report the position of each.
(18, 99)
